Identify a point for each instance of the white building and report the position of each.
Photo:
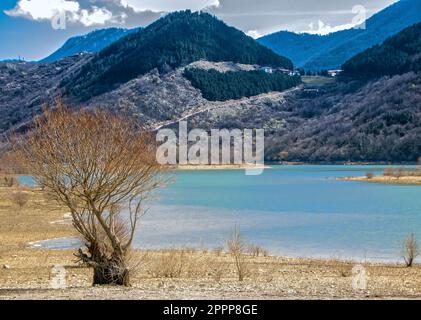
(334, 73)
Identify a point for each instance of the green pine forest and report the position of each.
(397, 55)
(222, 86)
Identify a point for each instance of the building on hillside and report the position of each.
(284, 71)
(294, 73)
(267, 69)
(334, 73)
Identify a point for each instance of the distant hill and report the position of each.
(12, 60)
(378, 122)
(173, 41)
(397, 55)
(90, 43)
(315, 52)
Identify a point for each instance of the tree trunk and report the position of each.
(109, 276)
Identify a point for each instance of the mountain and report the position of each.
(175, 40)
(25, 87)
(316, 52)
(397, 55)
(143, 74)
(373, 116)
(377, 122)
(90, 43)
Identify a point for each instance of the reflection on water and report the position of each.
(295, 211)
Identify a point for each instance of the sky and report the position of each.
(32, 29)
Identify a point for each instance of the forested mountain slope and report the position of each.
(330, 51)
(175, 40)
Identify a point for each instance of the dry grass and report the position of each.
(33, 223)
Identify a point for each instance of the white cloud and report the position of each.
(98, 16)
(324, 29)
(254, 17)
(43, 9)
(49, 9)
(254, 34)
(168, 5)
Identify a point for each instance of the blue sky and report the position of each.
(26, 26)
(27, 38)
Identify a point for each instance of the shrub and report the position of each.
(410, 250)
(8, 181)
(20, 199)
(238, 249)
(369, 175)
(169, 264)
(257, 251)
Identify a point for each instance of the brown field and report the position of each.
(26, 273)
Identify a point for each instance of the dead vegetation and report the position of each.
(257, 251)
(20, 199)
(238, 249)
(8, 181)
(398, 173)
(410, 250)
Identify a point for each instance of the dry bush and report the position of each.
(389, 172)
(400, 172)
(8, 181)
(410, 250)
(269, 274)
(169, 264)
(217, 270)
(181, 263)
(218, 251)
(20, 199)
(257, 251)
(369, 175)
(238, 249)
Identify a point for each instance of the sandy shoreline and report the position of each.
(26, 273)
(404, 180)
(220, 167)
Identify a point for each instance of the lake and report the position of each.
(299, 211)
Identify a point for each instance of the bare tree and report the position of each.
(238, 249)
(410, 250)
(103, 168)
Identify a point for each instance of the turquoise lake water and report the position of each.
(301, 211)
